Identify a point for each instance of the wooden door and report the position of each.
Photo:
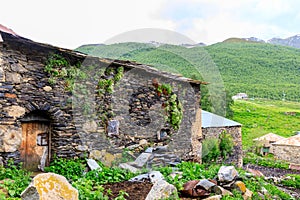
(35, 146)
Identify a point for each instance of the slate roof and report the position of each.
(270, 137)
(210, 120)
(19, 42)
(291, 141)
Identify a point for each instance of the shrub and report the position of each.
(226, 144)
(210, 150)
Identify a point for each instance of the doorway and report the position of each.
(36, 142)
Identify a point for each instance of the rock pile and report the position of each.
(227, 180)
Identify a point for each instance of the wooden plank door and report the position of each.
(35, 145)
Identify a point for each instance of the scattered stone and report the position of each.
(221, 191)
(140, 178)
(248, 194)
(215, 197)
(105, 157)
(16, 67)
(206, 184)
(49, 186)
(47, 88)
(227, 174)
(93, 164)
(255, 172)
(240, 186)
(128, 167)
(155, 176)
(161, 190)
(13, 77)
(142, 159)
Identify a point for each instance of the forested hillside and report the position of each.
(259, 69)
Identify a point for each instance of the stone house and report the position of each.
(265, 142)
(213, 125)
(288, 149)
(55, 101)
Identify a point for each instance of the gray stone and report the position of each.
(248, 195)
(142, 159)
(206, 184)
(1, 161)
(149, 150)
(161, 190)
(221, 191)
(128, 167)
(227, 174)
(155, 176)
(140, 178)
(30, 193)
(93, 164)
(18, 68)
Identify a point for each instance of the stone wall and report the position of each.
(288, 153)
(25, 88)
(236, 132)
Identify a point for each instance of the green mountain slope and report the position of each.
(261, 70)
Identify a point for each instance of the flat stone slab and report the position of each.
(93, 164)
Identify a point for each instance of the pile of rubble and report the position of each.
(227, 180)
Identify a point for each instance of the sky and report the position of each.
(71, 23)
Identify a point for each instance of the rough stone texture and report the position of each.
(10, 138)
(161, 190)
(287, 152)
(50, 186)
(105, 157)
(206, 184)
(25, 89)
(128, 167)
(221, 191)
(236, 157)
(227, 174)
(248, 194)
(93, 164)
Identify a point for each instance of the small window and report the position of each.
(42, 139)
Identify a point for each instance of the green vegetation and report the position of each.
(212, 148)
(252, 158)
(14, 180)
(260, 117)
(294, 181)
(90, 184)
(174, 111)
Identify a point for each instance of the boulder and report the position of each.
(190, 189)
(161, 190)
(227, 174)
(49, 186)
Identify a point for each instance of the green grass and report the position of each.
(260, 117)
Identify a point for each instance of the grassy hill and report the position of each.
(260, 117)
(261, 70)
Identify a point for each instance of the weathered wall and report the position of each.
(287, 153)
(236, 133)
(24, 88)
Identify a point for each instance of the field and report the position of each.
(260, 117)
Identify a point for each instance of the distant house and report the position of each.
(240, 96)
(266, 142)
(288, 149)
(213, 125)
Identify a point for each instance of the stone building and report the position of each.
(213, 125)
(55, 101)
(288, 149)
(265, 142)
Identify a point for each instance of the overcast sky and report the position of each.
(71, 23)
